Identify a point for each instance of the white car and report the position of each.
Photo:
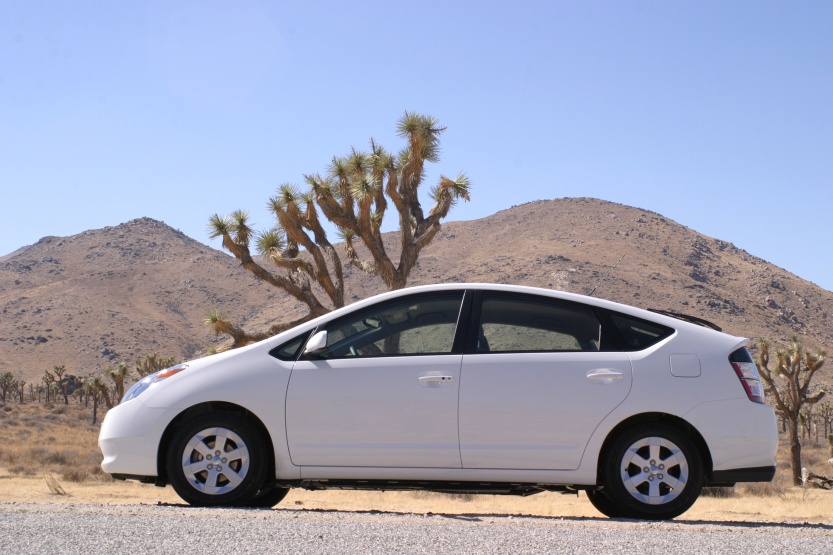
(474, 388)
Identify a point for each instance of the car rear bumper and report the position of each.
(731, 477)
(742, 436)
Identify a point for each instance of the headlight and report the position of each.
(139, 387)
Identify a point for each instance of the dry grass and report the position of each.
(59, 441)
(52, 438)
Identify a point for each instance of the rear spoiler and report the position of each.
(687, 318)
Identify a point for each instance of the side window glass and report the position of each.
(418, 325)
(638, 334)
(290, 349)
(524, 324)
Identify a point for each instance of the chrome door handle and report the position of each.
(605, 375)
(436, 379)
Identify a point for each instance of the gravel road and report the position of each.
(159, 529)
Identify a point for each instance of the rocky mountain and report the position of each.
(117, 293)
(114, 294)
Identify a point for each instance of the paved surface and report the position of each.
(140, 529)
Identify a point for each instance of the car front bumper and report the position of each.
(129, 439)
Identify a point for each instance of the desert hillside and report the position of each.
(113, 294)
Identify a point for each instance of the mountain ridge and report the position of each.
(117, 293)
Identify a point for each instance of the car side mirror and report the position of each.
(316, 344)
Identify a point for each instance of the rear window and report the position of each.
(637, 334)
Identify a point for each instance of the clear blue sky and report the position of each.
(716, 114)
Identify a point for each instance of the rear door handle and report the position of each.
(605, 375)
(435, 379)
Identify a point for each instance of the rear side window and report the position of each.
(515, 323)
(637, 334)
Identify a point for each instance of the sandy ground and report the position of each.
(795, 506)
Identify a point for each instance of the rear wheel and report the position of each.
(217, 460)
(653, 472)
(599, 499)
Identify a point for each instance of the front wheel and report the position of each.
(217, 460)
(652, 472)
(267, 498)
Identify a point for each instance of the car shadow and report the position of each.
(479, 517)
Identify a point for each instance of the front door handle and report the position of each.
(604, 375)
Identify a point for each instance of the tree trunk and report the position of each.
(795, 451)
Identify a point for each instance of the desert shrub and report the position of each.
(720, 493)
(75, 474)
(23, 470)
(45, 456)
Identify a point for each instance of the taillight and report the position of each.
(748, 374)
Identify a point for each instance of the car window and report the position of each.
(638, 334)
(510, 323)
(289, 350)
(416, 325)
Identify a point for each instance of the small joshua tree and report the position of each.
(118, 374)
(152, 363)
(788, 383)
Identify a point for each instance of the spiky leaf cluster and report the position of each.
(354, 194)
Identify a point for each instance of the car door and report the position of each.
(384, 390)
(535, 384)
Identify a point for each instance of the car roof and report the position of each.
(659, 318)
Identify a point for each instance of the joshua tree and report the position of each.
(7, 385)
(152, 363)
(48, 380)
(354, 195)
(789, 385)
(118, 374)
(98, 390)
(825, 412)
(59, 371)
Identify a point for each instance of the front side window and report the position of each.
(290, 349)
(416, 325)
(510, 323)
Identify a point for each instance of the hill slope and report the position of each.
(114, 294)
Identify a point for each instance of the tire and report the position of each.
(217, 460)
(599, 499)
(653, 472)
(267, 498)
